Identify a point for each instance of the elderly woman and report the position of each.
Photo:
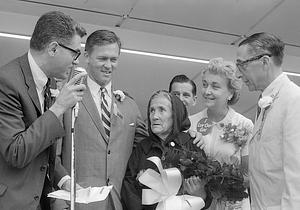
(220, 89)
(167, 119)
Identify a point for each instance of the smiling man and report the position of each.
(106, 127)
(274, 153)
(184, 88)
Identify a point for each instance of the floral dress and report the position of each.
(225, 152)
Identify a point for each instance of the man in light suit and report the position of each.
(101, 158)
(28, 132)
(274, 152)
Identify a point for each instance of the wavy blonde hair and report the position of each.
(219, 66)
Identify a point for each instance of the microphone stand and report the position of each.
(73, 183)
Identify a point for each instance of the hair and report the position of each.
(181, 78)
(164, 93)
(260, 43)
(54, 26)
(100, 38)
(227, 69)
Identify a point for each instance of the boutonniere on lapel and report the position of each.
(265, 103)
(120, 96)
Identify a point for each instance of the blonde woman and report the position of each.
(220, 89)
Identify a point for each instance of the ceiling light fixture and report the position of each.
(137, 52)
(15, 36)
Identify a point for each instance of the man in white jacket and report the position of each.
(274, 152)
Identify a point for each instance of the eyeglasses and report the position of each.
(241, 64)
(77, 53)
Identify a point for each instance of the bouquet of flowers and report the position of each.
(224, 180)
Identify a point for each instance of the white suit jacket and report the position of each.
(274, 150)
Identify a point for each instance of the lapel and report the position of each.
(90, 106)
(116, 117)
(25, 68)
(256, 133)
(259, 123)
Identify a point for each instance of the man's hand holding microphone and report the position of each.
(71, 93)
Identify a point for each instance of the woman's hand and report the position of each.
(198, 138)
(140, 174)
(195, 186)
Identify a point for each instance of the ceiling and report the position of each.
(218, 21)
(190, 28)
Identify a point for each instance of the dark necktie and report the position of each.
(105, 114)
(47, 96)
(52, 148)
(258, 109)
(44, 201)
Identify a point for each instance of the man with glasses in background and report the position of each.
(29, 123)
(274, 152)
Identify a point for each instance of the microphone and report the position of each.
(74, 72)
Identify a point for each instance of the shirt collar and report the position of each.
(274, 86)
(39, 77)
(227, 119)
(94, 87)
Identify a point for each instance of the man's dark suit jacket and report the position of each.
(25, 137)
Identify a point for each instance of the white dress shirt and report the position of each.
(40, 79)
(95, 91)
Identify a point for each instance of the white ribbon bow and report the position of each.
(164, 187)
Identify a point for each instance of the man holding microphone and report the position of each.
(30, 125)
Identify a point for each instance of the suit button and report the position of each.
(36, 197)
(43, 168)
(108, 152)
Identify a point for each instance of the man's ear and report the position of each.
(194, 100)
(266, 60)
(86, 57)
(52, 48)
(86, 54)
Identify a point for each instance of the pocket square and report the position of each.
(131, 124)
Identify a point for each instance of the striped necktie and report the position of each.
(105, 114)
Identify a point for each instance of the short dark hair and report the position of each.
(54, 26)
(181, 78)
(265, 43)
(100, 38)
